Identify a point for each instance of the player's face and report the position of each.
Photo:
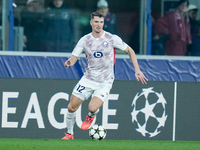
(97, 24)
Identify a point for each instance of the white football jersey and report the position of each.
(100, 55)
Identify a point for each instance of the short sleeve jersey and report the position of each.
(100, 55)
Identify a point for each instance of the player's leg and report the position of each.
(93, 107)
(99, 96)
(74, 104)
(80, 93)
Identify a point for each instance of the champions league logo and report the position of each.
(149, 112)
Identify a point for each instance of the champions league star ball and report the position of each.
(97, 132)
(149, 112)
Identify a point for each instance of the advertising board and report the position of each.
(159, 110)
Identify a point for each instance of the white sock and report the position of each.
(71, 119)
(92, 114)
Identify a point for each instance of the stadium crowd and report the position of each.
(52, 29)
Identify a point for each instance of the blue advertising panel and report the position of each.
(160, 68)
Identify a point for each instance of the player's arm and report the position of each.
(75, 54)
(71, 61)
(138, 74)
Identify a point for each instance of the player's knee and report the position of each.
(71, 108)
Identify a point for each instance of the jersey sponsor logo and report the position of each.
(98, 54)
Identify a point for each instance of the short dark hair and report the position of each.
(97, 13)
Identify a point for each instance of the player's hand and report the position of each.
(140, 77)
(67, 63)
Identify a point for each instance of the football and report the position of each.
(97, 132)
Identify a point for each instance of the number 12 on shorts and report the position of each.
(80, 88)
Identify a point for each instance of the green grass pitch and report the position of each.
(57, 144)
